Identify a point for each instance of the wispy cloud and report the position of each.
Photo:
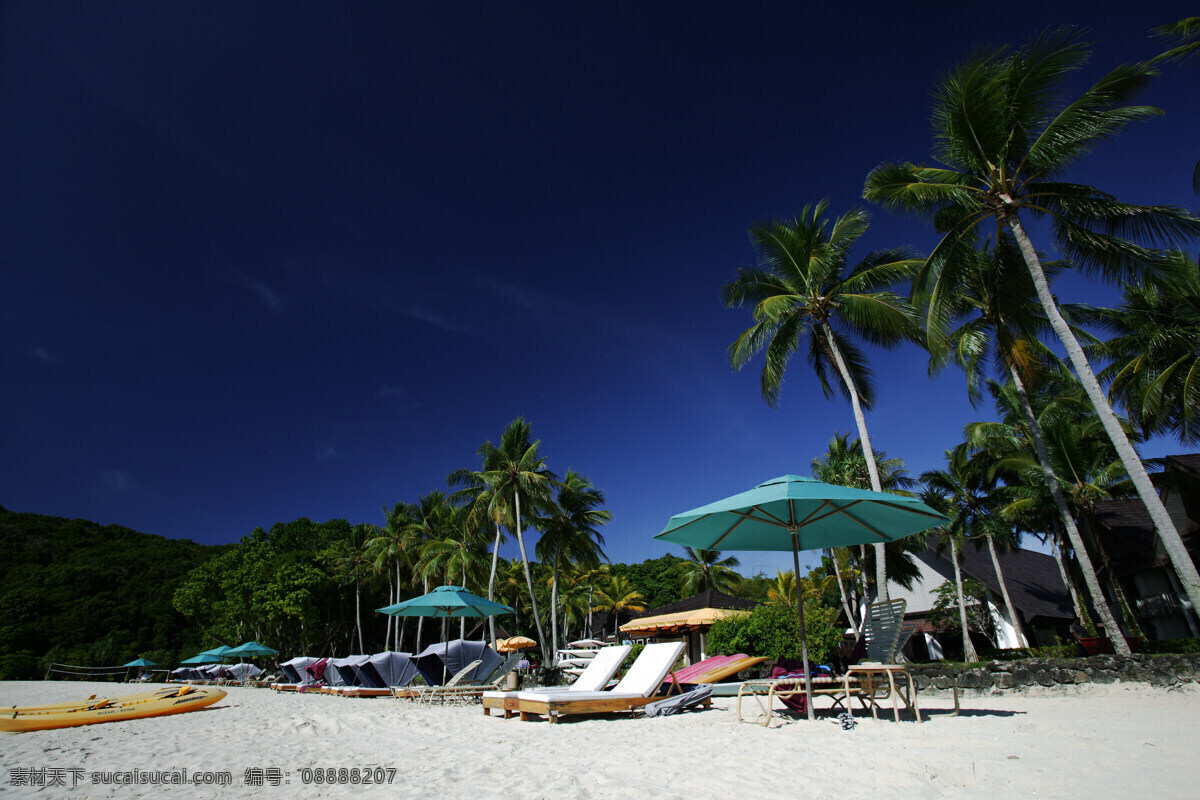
(269, 297)
(421, 314)
(522, 298)
(398, 396)
(118, 481)
(42, 354)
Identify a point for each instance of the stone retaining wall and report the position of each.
(1156, 670)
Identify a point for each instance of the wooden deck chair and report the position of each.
(468, 690)
(593, 679)
(877, 643)
(423, 693)
(643, 680)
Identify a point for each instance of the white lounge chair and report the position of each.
(594, 678)
(635, 690)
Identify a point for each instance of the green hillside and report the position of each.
(77, 592)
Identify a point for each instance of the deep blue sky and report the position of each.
(267, 261)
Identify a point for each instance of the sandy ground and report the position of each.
(1097, 741)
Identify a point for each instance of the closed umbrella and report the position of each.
(795, 513)
(446, 601)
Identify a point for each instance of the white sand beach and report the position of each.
(1110, 741)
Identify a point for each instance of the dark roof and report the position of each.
(1189, 462)
(709, 599)
(1034, 582)
(1128, 533)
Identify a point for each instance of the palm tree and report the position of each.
(705, 569)
(516, 470)
(431, 522)
(1185, 38)
(1009, 442)
(484, 503)
(351, 560)
(570, 535)
(940, 499)
(618, 596)
(1005, 143)
(805, 286)
(1088, 471)
(391, 551)
(973, 490)
(1154, 367)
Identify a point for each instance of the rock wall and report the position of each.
(1156, 670)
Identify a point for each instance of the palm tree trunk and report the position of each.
(969, 654)
(492, 584)
(1064, 513)
(554, 613)
(387, 637)
(400, 622)
(421, 620)
(1012, 612)
(1062, 570)
(358, 613)
(837, 575)
(462, 621)
(1167, 533)
(529, 575)
(869, 454)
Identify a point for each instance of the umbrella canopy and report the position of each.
(217, 652)
(514, 643)
(202, 659)
(795, 513)
(140, 662)
(446, 601)
(251, 649)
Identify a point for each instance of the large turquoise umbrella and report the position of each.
(794, 513)
(250, 649)
(446, 601)
(202, 659)
(216, 652)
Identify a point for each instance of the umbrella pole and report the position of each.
(803, 634)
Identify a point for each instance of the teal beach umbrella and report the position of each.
(250, 649)
(795, 513)
(446, 601)
(140, 662)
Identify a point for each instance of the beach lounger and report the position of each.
(635, 690)
(593, 679)
(714, 669)
(423, 693)
(468, 690)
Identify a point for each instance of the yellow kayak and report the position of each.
(171, 700)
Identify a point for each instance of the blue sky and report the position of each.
(264, 261)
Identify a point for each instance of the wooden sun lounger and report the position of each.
(635, 690)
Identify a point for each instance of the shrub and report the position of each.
(773, 631)
(1171, 646)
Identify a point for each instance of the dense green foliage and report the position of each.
(659, 580)
(773, 630)
(944, 614)
(77, 592)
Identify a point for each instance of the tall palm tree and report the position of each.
(938, 495)
(518, 471)
(706, 569)
(1154, 369)
(1089, 473)
(805, 286)
(1009, 442)
(618, 596)
(845, 464)
(982, 312)
(975, 495)
(1006, 141)
(570, 528)
(351, 562)
(392, 551)
(432, 521)
(485, 502)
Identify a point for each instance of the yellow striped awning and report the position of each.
(679, 621)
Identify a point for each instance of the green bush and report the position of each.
(772, 630)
